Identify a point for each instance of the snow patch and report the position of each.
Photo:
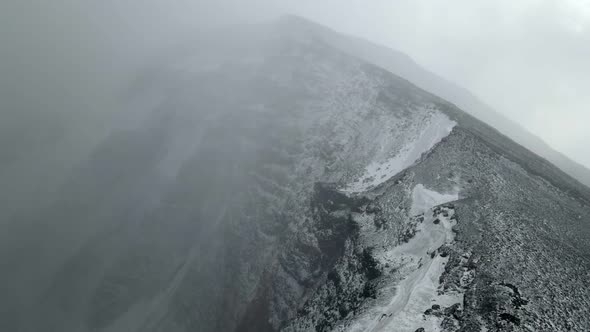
(420, 266)
(424, 199)
(438, 127)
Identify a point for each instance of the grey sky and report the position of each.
(528, 59)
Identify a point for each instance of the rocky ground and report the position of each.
(515, 262)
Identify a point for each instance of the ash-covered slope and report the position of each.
(271, 181)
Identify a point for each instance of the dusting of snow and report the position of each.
(420, 267)
(437, 127)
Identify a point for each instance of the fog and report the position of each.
(68, 60)
(66, 65)
(75, 189)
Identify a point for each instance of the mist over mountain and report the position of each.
(402, 65)
(285, 177)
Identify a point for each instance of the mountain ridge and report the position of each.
(230, 204)
(403, 65)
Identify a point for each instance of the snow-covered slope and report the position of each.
(271, 181)
(414, 140)
(424, 199)
(402, 65)
(420, 267)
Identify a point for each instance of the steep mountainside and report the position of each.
(272, 181)
(402, 65)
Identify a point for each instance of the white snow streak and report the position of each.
(376, 173)
(418, 290)
(424, 199)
